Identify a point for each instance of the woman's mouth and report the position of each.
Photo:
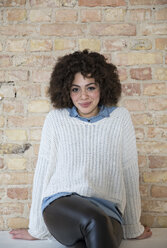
(85, 105)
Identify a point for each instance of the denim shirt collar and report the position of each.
(104, 112)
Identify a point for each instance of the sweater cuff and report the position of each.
(132, 231)
(40, 235)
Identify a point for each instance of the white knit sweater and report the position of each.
(92, 159)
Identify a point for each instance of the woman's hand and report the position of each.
(146, 234)
(21, 234)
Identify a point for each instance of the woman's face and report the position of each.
(85, 95)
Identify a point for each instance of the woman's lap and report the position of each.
(73, 219)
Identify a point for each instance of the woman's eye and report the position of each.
(91, 88)
(75, 90)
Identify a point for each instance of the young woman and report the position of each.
(86, 183)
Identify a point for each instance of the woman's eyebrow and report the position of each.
(85, 85)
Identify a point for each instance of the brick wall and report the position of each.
(33, 33)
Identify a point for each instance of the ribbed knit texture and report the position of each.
(92, 159)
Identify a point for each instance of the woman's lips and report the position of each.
(85, 105)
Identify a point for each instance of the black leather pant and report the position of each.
(76, 222)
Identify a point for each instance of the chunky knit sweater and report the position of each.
(92, 159)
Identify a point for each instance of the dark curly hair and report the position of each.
(90, 65)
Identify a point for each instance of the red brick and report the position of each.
(114, 15)
(134, 104)
(21, 121)
(140, 15)
(17, 193)
(29, 91)
(13, 107)
(144, 190)
(161, 14)
(41, 76)
(114, 44)
(94, 3)
(40, 45)
(90, 15)
(157, 104)
(18, 75)
(147, 2)
(157, 161)
(44, 3)
(16, 15)
(112, 29)
(153, 29)
(153, 147)
(157, 133)
(66, 15)
(122, 74)
(154, 89)
(161, 43)
(40, 15)
(142, 161)
(69, 29)
(141, 73)
(137, 58)
(13, 3)
(34, 60)
(161, 119)
(131, 89)
(18, 30)
(159, 191)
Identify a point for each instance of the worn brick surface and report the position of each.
(17, 193)
(90, 15)
(140, 44)
(141, 73)
(157, 161)
(43, 15)
(16, 15)
(15, 223)
(13, 163)
(94, 3)
(91, 44)
(33, 34)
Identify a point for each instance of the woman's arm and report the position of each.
(132, 226)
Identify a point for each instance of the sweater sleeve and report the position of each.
(131, 218)
(37, 227)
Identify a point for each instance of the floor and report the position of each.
(158, 240)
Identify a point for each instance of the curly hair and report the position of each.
(90, 65)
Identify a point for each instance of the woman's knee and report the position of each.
(95, 219)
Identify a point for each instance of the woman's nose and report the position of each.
(84, 94)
